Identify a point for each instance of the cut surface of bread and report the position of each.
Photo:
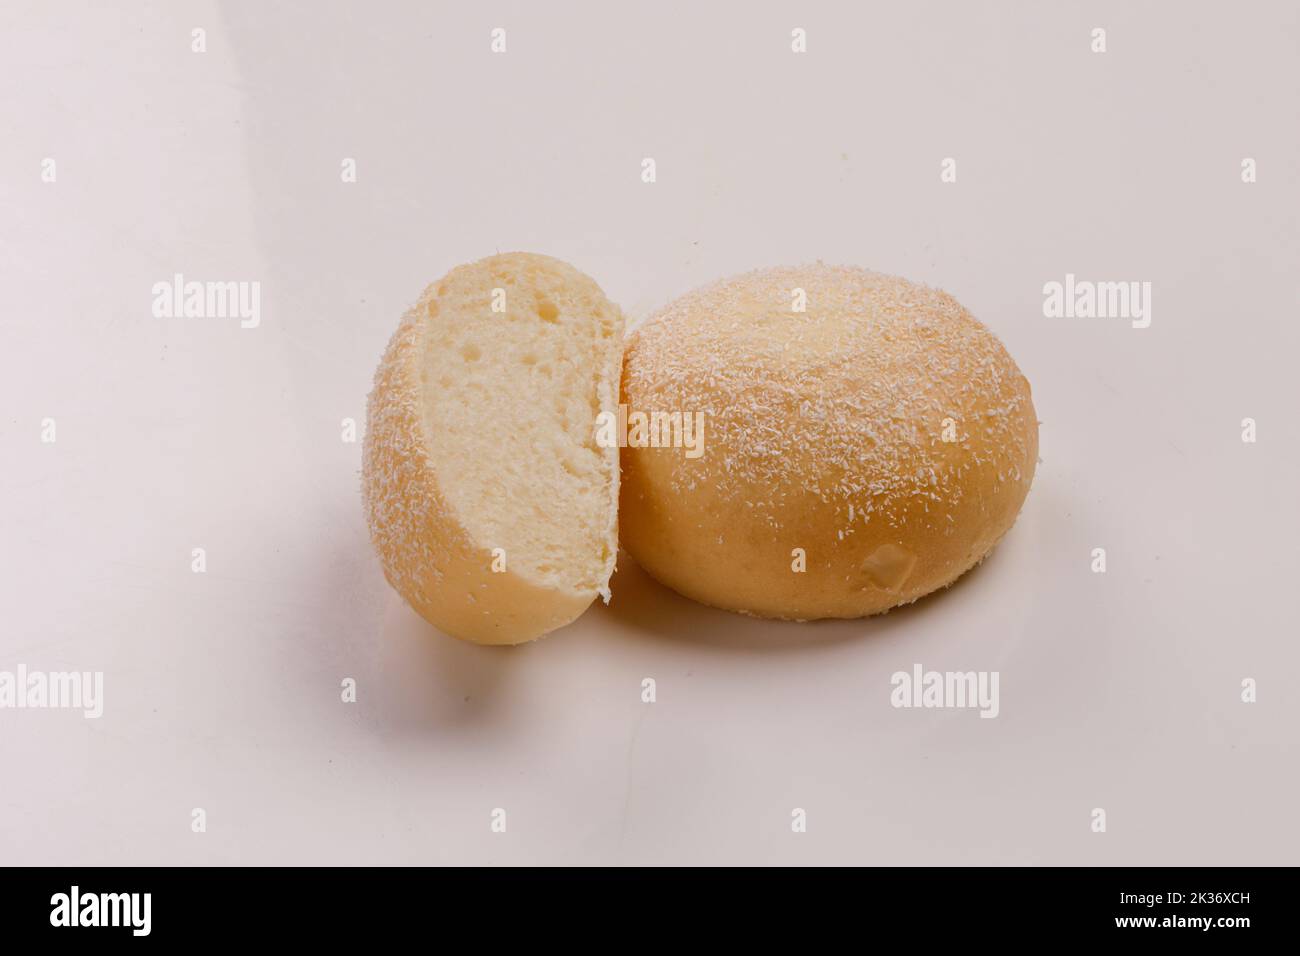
(490, 502)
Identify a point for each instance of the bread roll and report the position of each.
(883, 434)
(491, 505)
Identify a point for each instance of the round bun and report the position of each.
(490, 502)
(856, 455)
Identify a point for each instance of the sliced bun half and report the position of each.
(492, 507)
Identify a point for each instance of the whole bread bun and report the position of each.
(492, 507)
(883, 434)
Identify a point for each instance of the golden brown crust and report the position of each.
(884, 434)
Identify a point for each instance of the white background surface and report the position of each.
(1118, 691)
